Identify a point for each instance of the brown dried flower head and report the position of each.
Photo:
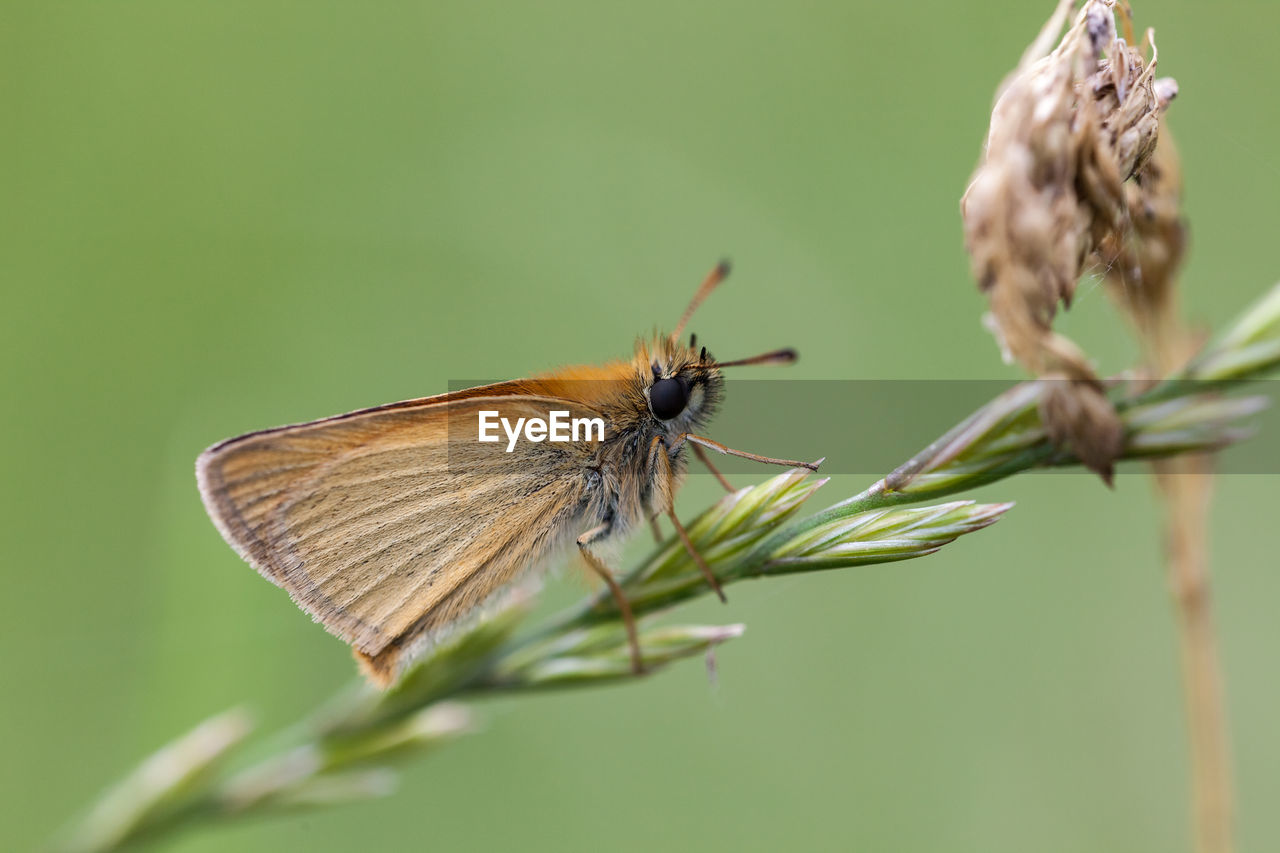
(1070, 126)
(1142, 266)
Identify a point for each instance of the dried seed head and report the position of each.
(1069, 128)
(1078, 417)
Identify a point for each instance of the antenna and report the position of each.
(717, 275)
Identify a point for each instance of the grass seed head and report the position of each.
(1069, 128)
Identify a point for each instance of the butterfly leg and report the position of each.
(706, 460)
(660, 464)
(619, 597)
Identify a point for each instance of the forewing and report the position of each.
(388, 524)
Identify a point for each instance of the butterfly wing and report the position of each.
(389, 525)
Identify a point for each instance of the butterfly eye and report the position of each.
(668, 397)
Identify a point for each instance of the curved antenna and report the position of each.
(717, 275)
(778, 356)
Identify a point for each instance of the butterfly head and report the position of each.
(681, 384)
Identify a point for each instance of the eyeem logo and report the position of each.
(559, 427)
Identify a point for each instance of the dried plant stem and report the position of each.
(1146, 282)
(1186, 485)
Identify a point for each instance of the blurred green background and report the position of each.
(225, 216)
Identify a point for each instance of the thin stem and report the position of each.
(1186, 484)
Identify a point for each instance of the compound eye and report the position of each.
(668, 397)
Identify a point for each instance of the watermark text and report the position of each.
(558, 427)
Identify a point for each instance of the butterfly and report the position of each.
(394, 525)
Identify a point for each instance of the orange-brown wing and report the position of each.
(388, 525)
